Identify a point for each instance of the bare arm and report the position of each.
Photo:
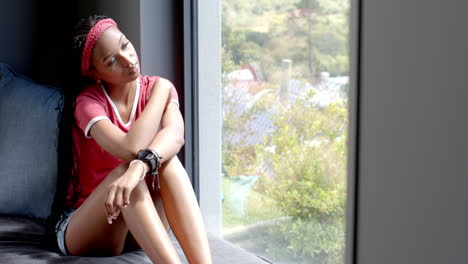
(167, 143)
(170, 139)
(125, 145)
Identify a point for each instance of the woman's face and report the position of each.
(114, 59)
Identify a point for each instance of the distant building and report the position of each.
(243, 91)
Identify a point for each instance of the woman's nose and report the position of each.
(127, 60)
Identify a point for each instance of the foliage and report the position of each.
(303, 160)
(308, 241)
(257, 207)
(257, 30)
(306, 156)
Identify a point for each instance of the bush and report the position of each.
(304, 159)
(307, 241)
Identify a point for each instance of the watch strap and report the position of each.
(157, 161)
(153, 163)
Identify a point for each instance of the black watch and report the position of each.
(151, 158)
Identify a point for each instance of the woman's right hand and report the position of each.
(118, 195)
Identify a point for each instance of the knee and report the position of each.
(140, 192)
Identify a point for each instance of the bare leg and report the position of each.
(147, 229)
(130, 243)
(183, 212)
(193, 240)
(88, 232)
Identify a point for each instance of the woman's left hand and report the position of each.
(118, 195)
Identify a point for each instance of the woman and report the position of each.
(127, 185)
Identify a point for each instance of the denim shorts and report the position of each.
(61, 227)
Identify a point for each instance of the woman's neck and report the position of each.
(121, 93)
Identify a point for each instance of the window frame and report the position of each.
(202, 58)
(355, 24)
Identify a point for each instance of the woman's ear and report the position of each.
(93, 74)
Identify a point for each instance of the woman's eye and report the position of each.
(124, 46)
(113, 60)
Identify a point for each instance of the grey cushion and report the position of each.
(24, 241)
(28, 153)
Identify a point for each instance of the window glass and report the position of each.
(285, 70)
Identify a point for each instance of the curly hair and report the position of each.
(68, 174)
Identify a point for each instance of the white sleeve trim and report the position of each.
(92, 122)
(175, 101)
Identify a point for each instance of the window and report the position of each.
(284, 89)
(272, 115)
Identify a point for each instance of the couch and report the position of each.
(28, 174)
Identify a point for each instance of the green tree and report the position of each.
(313, 33)
(305, 159)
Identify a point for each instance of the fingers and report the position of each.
(109, 204)
(116, 214)
(116, 199)
(122, 198)
(126, 197)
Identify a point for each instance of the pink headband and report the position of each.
(91, 39)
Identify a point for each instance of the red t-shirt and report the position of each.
(92, 105)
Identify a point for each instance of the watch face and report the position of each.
(150, 156)
(146, 155)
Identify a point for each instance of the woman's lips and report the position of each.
(134, 69)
